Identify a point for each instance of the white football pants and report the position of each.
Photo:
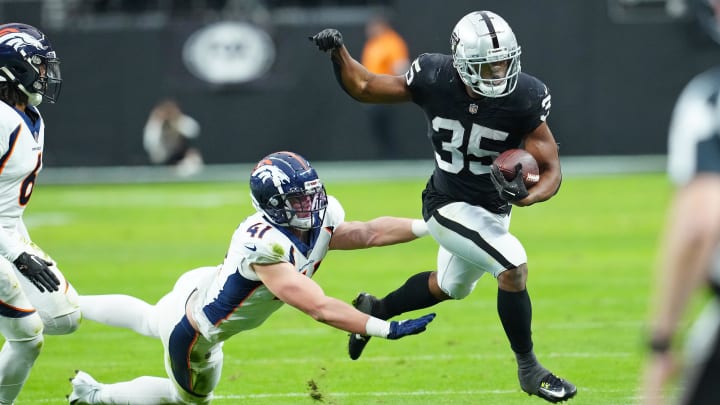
(22, 329)
(193, 365)
(473, 241)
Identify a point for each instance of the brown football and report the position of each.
(507, 161)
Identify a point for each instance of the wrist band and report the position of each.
(377, 327)
(419, 228)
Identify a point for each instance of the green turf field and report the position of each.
(591, 252)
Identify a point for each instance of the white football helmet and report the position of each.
(486, 54)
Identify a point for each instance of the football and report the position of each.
(507, 161)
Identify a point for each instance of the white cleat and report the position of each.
(84, 388)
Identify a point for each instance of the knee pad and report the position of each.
(458, 291)
(455, 284)
(21, 329)
(27, 349)
(64, 324)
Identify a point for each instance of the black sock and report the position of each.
(515, 312)
(414, 294)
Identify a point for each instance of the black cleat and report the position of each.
(553, 389)
(356, 343)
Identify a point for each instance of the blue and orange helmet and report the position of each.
(29, 62)
(287, 190)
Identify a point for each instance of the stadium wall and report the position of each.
(613, 83)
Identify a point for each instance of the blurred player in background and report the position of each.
(386, 53)
(477, 104)
(272, 257)
(689, 258)
(34, 295)
(169, 138)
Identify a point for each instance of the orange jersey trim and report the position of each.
(11, 311)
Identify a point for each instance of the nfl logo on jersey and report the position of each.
(473, 108)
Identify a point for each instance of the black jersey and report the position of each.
(468, 133)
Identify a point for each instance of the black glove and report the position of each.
(37, 271)
(327, 39)
(509, 190)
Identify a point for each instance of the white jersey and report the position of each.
(21, 150)
(694, 139)
(234, 299)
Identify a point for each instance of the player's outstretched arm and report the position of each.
(381, 231)
(306, 295)
(354, 78)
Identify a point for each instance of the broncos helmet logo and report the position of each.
(19, 40)
(272, 173)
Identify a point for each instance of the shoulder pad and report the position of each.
(9, 121)
(273, 247)
(335, 214)
(259, 241)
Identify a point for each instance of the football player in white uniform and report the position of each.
(271, 259)
(689, 259)
(34, 295)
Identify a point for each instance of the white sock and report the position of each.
(140, 391)
(16, 359)
(122, 311)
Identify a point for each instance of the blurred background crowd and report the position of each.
(246, 72)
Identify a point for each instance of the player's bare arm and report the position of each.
(542, 145)
(355, 79)
(365, 86)
(688, 246)
(380, 231)
(689, 242)
(303, 293)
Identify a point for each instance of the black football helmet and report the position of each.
(28, 61)
(287, 190)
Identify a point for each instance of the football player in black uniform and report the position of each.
(478, 104)
(689, 258)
